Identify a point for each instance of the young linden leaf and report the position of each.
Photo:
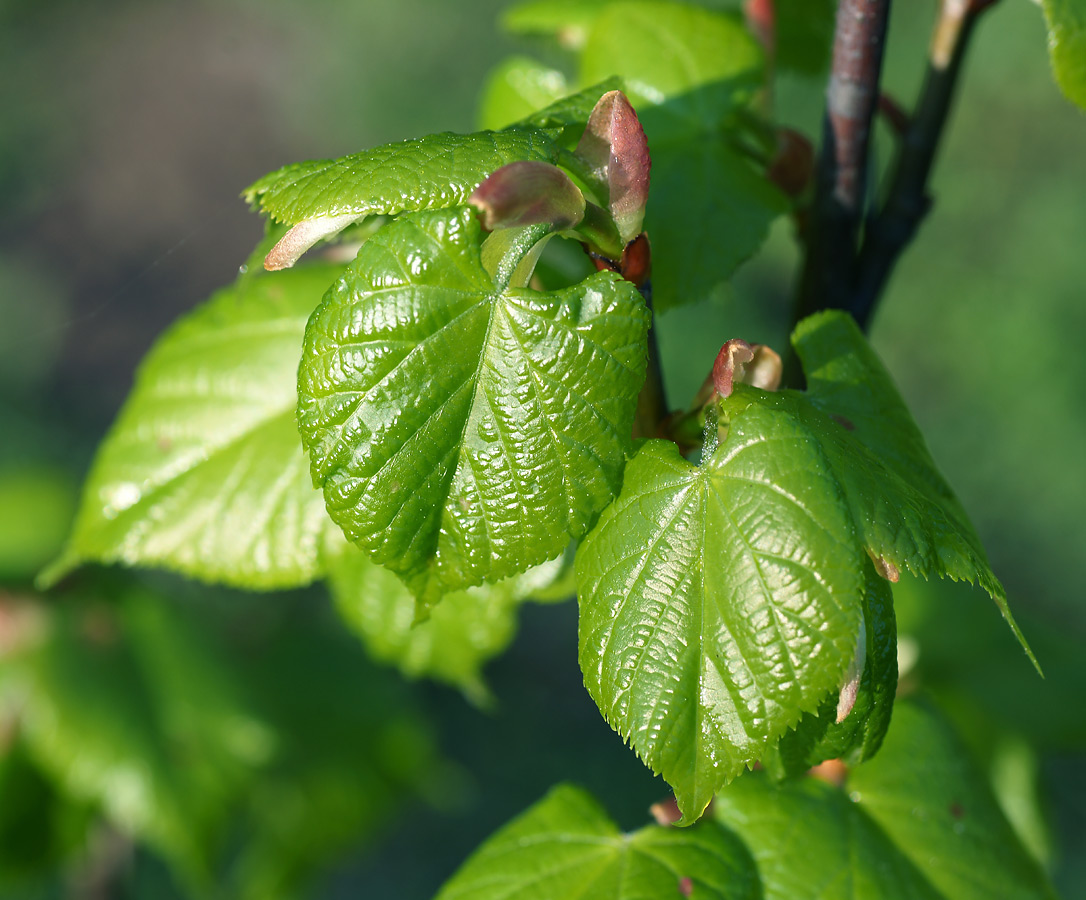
(464, 429)
(464, 631)
(567, 846)
(203, 472)
(1067, 46)
(719, 602)
(916, 823)
(424, 173)
(739, 584)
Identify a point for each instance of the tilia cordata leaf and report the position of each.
(462, 426)
(722, 601)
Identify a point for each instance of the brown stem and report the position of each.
(907, 200)
(851, 101)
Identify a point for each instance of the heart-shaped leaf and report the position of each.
(720, 602)
(463, 429)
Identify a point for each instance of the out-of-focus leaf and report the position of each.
(37, 503)
(916, 823)
(804, 34)
(566, 846)
(518, 87)
(203, 471)
(126, 710)
(464, 631)
(464, 428)
(686, 69)
(1067, 46)
(709, 210)
(566, 21)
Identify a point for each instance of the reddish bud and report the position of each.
(832, 771)
(528, 193)
(743, 363)
(616, 153)
(885, 568)
(850, 689)
(686, 886)
(666, 812)
(303, 236)
(793, 165)
(761, 20)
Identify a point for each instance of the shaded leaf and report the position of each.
(916, 823)
(202, 472)
(464, 429)
(566, 846)
(860, 734)
(804, 34)
(464, 631)
(437, 171)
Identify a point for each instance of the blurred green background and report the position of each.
(127, 130)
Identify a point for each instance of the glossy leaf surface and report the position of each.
(462, 429)
(566, 846)
(517, 88)
(739, 583)
(437, 171)
(1067, 46)
(203, 472)
(859, 735)
(916, 823)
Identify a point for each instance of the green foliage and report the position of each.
(935, 834)
(436, 171)
(917, 821)
(566, 846)
(741, 581)
(457, 422)
(1067, 46)
(202, 472)
(463, 427)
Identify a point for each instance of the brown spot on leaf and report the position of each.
(843, 422)
(956, 810)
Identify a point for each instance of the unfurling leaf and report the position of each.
(528, 193)
(615, 154)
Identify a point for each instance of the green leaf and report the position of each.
(516, 88)
(126, 709)
(686, 69)
(916, 823)
(202, 472)
(1067, 46)
(567, 21)
(689, 72)
(709, 210)
(437, 171)
(740, 582)
(804, 34)
(847, 382)
(464, 429)
(718, 602)
(464, 631)
(566, 846)
(860, 734)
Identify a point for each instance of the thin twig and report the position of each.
(907, 200)
(851, 101)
